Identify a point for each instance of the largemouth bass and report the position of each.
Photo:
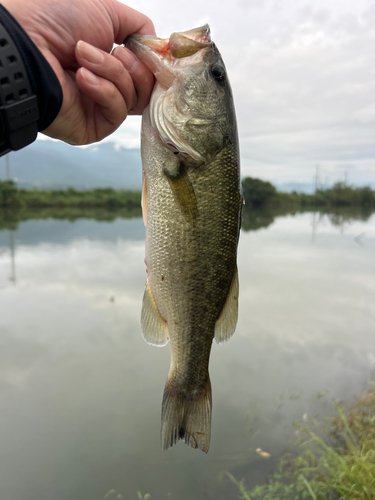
(191, 200)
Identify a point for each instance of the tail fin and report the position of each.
(188, 419)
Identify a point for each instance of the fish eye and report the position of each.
(218, 73)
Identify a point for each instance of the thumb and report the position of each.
(131, 21)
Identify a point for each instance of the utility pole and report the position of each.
(7, 167)
(314, 227)
(316, 177)
(12, 256)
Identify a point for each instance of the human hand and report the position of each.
(99, 89)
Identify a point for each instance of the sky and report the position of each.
(303, 78)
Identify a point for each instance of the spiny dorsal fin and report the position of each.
(154, 328)
(226, 324)
(184, 195)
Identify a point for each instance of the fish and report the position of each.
(191, 203)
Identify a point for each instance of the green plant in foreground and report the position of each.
(113, 494)
(340, 465)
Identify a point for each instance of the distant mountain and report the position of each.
(55, 165)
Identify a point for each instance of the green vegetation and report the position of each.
(112, 494)
(12, 197)
(257, 218)
(342, 203)
(260, 194)
(8, 194)
(337, 460)
(257, 193)
(17, 205)
(263, 204)
(9, 218)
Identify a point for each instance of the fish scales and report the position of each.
(192, 205)
(197, 261)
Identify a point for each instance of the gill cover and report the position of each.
(169, 120)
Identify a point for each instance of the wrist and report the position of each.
(31, 95)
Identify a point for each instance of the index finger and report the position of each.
(131, 21)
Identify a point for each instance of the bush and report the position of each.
(8, 194)
(260, 194)
(257, 192)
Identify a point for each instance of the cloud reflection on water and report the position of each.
(80, 391)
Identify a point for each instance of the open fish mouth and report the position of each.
(160, 54)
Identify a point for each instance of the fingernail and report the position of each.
(90, 53)
(89, 77)
(127, 58)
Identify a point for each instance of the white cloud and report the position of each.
(128, 134)
(304, 94)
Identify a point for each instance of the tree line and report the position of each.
(258, 194)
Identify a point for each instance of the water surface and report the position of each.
(80, 391)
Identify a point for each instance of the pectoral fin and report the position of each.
(184, 195)
(154, 328)
(144, 199)
(226, 324)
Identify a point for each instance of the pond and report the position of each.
(80, 391)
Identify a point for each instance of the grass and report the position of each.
(12, 197)
(337, 460)
(112, 494)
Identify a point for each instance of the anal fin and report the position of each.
(227, 321)
(154, 328)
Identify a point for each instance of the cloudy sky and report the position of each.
(303, 76)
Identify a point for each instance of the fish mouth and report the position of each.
(160, 54)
